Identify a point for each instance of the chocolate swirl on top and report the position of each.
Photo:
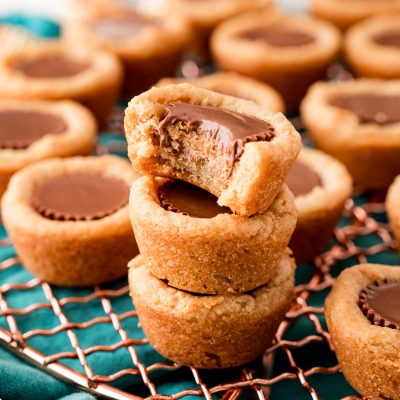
(380, 303)
(229, 130)
(181, 197)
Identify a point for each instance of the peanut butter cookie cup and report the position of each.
(344, 13)
(53, 71)
(321, 186)
(69, 220)
(230, 147)
(363, 317)
(393, 208)
(148, 47)
(203, 21)
(195, 245)
(288, 52)
(373, 47)
(210, 331)
(232, 84)
(13, 38)
(358, 122)
(31, 131)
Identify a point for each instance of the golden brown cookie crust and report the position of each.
(320, 210)
(79, 137)
(257, 177)
(368, 354)
(370, 152)
(148, 56)
(343, 14)
(227, 253)
(289, 69)
(13, 38)
(393, 207)
(235, 85)
(97, 87)
(69, 253)
(210, 331)
(369, 58)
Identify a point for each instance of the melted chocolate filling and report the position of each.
(371, 108)
(19, 128)
(302, 179)
(380, 303)
(278, 36)
(80, 197)
(227, 129)
(388, 38)
(50, 66)
(181, 197)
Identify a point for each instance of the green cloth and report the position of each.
(20, 381)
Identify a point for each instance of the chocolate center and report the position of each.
(370, 107)
(380, 303)
(122, 26)
(227, 129)
(181, 197)
(80, 197)
(19, 128)
(388, 38)
(302, 179)
(50, 66)
(278, 36)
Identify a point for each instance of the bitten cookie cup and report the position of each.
(210, 331)
(194, 245)
(321, 185)
(69, 221)
(373, 47)
(148, 47)
(287, 52)
(232, 84)
(393, 208)
(358, 122)
(363, 318)
(31, 131)
(203, 20)
(54, 71)
(346, 13)
(230, 147)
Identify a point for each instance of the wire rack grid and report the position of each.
(362, 236)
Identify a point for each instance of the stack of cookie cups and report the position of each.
(212, 218)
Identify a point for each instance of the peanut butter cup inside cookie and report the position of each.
(50, 66)
(20, 128)
(190, 200)
(380, 303)
(371, 107)
(390, 38)
(302, 179)
(278, 36)
(80, 197)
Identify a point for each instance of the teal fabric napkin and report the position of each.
(20, 381)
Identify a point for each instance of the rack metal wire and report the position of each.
(364, 218)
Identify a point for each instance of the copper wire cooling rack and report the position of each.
(363, 218)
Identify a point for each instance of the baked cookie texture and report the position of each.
(363, 132)
(346, 13)
(246, 181)
(210, 331)
(392, 207)
(287, 52)
(369, 355)
(55, 71)
(64, 248)
(233, 84)
(203, 21)
(13, 38)
(321, 185)
(72, 131)
(149, 47)
(373, 47)
(209, 255)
